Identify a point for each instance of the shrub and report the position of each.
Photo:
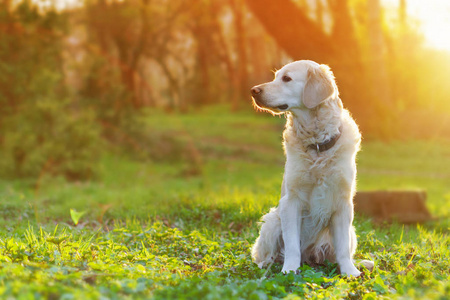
(49, 137)
(42, 130)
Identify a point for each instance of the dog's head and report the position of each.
(301, 84)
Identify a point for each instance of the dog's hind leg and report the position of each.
(269, 243)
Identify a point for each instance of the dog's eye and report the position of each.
(286, 78)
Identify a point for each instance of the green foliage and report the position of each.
(43, 132)
(152, 231)
(137, 259)
(30, 58)
(49, 138)
(101, 88)
(76, 215)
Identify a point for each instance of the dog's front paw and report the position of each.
(350, 271)
(287, 271)
(290, 267)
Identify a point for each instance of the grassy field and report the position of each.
(181, 225)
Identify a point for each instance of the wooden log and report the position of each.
(401, 206)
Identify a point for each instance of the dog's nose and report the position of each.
(256, 91)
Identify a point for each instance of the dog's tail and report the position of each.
(268, 245)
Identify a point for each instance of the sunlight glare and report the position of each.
(433, 17)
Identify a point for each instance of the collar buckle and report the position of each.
(326, 145)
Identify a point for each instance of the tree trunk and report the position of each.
(350, 73)
(343, 32)
(201, 34)
(378, 69)
(319, 14)
(402, 12)
(242, 61)
(378, 74)
(299, 36)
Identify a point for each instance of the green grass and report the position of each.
(183, 227)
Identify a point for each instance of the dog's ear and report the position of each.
(319, 86)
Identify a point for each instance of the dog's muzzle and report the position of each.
(256, 94)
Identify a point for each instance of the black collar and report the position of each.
(328, 144)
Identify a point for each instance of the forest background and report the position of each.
(134, 166)
(77, 77)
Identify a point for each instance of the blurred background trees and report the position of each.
(72, 79)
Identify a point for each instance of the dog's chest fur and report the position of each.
(309, 174)
(305, 166)
(306, 171)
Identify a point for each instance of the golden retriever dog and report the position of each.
(313, 220)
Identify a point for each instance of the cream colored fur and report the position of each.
(313, 221)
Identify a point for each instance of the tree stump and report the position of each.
(402, 206)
